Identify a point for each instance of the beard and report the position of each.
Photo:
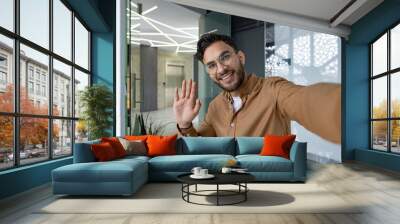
(233, 86)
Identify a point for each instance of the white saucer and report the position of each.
(208, 176)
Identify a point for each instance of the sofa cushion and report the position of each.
(136, 137)
(134, 147)
(185, 163)
(116, 145)
(161, 145)
(275, 145)
(257, 163)
(130, 158)
(249, 145)
(103, 151)
(111, 171)
(206, 145)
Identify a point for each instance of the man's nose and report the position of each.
(220, 68)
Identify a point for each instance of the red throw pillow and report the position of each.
(116, 145)
(136, 137)
(103, 151)
(161, 145)
(277, 145)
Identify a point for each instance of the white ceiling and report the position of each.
(314, 15)
(320, 9)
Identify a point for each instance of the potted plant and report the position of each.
(96, 102)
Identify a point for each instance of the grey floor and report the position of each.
(378, 188)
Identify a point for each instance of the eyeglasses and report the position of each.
(223, 59)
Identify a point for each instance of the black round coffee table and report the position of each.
(238, 179)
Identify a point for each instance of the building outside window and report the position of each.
(3, 78)
(43, 90)
(30, 87)
(3, 61)
(37, 74)
(30, 72)
(43, 78)
(3, 72)
(38, 89)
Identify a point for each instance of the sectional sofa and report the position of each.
(126, 175)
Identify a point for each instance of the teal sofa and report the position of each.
(125, 176)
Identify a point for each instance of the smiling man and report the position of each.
(251, 105)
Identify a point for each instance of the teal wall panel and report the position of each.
(377, 158)
(89, 11)
(24, 178)
(363, 32)
(102, 59)
(103, 64)
(356, 100)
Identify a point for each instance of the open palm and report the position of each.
(186, 106)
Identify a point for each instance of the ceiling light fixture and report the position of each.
(137, 36)
(211, 31)
(155, 41)
(163, 24)
(135, 26)
(160, 31)
(149, 10)
(186, 51)
(134, 4)
(161, 34)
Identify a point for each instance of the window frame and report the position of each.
(388, 74)
(16, 114)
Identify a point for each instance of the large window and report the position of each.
(40, 80)
(385, 92)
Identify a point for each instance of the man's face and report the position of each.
(224, 65)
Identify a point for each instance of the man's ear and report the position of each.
(242, 57)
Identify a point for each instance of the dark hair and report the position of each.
(209, 38)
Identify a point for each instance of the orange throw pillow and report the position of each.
(161, 145)
(277, 145)
(136, 137)
(116, 145)
(103, 151)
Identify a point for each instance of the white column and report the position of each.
(120, 67)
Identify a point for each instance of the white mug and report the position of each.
(226, 170)
(196, 170)
(203, 172)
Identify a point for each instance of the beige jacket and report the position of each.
(268, 105)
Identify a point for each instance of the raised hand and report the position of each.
(186, 106)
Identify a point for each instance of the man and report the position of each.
(251, 105)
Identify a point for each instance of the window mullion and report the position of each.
(371, 137)
(389, 106)
(16, 70)
(73, 81)
(50, 81)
